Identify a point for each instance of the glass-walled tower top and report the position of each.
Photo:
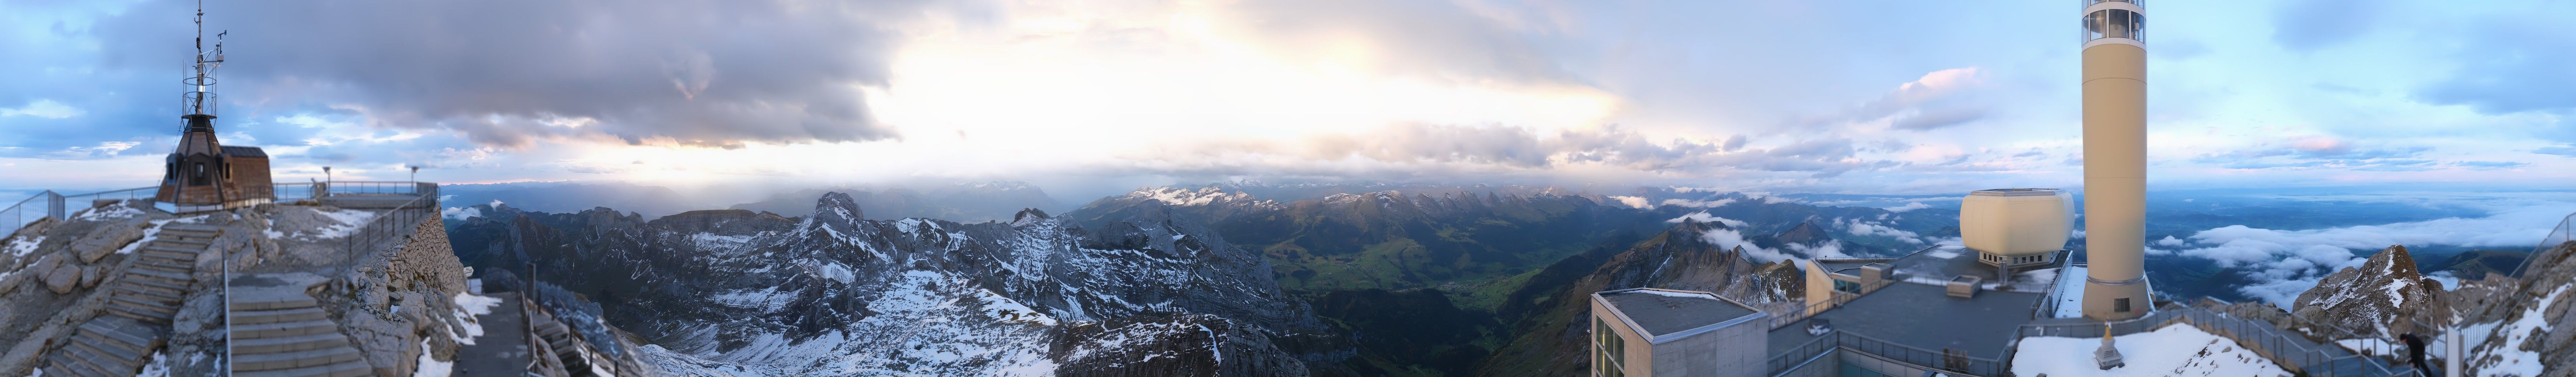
(2114, 21)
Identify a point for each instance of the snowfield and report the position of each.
(2175, 350)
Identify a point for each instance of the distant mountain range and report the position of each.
(1325, 279)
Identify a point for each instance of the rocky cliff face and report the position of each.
(2383, 296)
(832, 294)
(1551, 342)
(2518, 326)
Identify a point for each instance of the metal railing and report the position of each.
(394, 221)
(1803, 353)
(375, 188)
(56, 205)
(49, 204)
(1949, 360)
(2327, 357)
(1791, 311)
(2553, 247)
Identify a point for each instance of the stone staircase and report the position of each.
(162, 273)
(140, 306)
(285, 334)
(564, 346)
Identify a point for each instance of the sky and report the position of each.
(1087, 98)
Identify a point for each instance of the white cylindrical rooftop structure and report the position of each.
(2015, 222)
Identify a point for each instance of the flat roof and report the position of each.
(1923, 315)
(1948, 261)
(1666, 311)
(1848, 266)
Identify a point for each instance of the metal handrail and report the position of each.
(2554, 243)
(379, 227)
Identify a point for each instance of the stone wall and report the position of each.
(400, 297)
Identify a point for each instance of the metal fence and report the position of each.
(1805, 357)
(394, 221)
(2297, 352)
(2553, 247)
(55, 205)
(375, 188)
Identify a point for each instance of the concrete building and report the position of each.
(1663, 332)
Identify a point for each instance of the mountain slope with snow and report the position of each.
(831, 294)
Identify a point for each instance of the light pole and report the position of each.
(325, 190)
(415, 174)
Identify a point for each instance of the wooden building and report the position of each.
(204, 175)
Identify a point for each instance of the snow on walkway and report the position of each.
(2175, 350)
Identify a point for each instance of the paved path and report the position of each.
(503, 348)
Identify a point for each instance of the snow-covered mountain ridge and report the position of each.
(831, 294)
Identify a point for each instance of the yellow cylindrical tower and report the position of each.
(2115, 160)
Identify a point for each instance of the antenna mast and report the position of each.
(200, 98)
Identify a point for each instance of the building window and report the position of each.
(1846, 286)
(2120, 305)
(1609, 351)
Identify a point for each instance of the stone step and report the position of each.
(154, 286)
(174, 278)
(139, 335)
(84, 358)
(246, 301)
(117, 344)
(193, 227)
(55, 371)
(253, 317)
(283, 329)
(347, 369)
(289, 344)
(180, 252)
(176, 242)
(183, 258)
(147, 295)
(174, 231)
(146, 305)
(165, 264)
(136, 315)
(107, 356)
(63, 363)
(293, 360)
(165, 268)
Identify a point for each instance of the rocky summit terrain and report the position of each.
(2518, 325)
(122, 288)
(829, 293)
(2509, 322)
(2383, 296)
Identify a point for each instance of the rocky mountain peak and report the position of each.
(2383, 293)
(837, 207)
(1806, 233)
(722, 222)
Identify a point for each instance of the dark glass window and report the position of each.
(1609, 351)
(2114, 23)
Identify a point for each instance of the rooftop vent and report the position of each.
(1964, 286)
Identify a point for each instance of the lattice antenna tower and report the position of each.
(200, 99)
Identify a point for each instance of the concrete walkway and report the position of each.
(503, 348)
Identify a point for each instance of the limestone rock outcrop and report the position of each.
(2383, 296)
